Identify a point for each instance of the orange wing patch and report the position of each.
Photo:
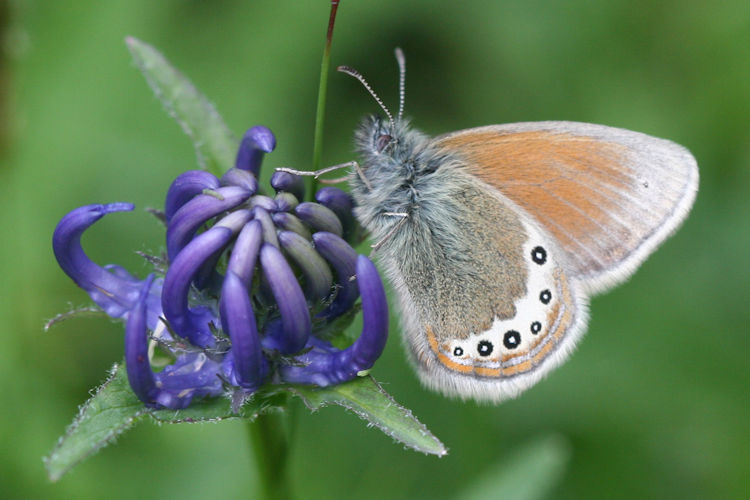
(560, 318)
(600, 195)
(571, 184)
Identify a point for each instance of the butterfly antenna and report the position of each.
(356, 74)
(401, 81)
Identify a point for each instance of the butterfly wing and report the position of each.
(608, 196)
(473, 331)
(487, 306)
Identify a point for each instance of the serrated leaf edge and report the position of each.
(384, 429)
(108, 439)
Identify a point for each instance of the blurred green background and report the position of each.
(654, 404)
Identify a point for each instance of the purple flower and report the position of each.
(256, 286)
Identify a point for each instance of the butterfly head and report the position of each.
(379, 138)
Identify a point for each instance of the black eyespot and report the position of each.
(458, 351)
(485, 348)
(545, 296)
(539, 255)
(536, 327)
(511, 339)
(383, 142)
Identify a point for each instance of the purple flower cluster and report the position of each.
(254, 288)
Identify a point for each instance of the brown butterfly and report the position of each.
(494, 238)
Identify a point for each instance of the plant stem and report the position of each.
(322, 87)
(268, 441)
(268, 435)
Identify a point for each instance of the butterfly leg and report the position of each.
(318, 173)
(337, 180)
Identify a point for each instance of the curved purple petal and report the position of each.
(336, 199)
(317, 274)
(295, 317)
(207, 275)
(186, 186)
(343, 259)
(240, 178)
(285, 220)
(285, 202)
(255, 143)
(191, 324)
(284, 181)
(269, 229)
(138, 367)
(238, 320)
(111, 287)
(323, 364)
(266, 202)
(235, 220)
(369, 346)
(342, 205)
(66, 243)
(245, 251)
(319, 218)
(197, 211)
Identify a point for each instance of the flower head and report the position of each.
(254, 287)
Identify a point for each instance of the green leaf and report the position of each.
(528, 473)
(112, 410)
(369, 401)
(215, 145)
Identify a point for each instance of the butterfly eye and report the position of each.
(382, 142)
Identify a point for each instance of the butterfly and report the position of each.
(494, 238)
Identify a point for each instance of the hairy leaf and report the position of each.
(367, 399)
(114, 408)
(215, 146)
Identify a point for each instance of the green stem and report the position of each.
(322, 87)
(270, 446)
